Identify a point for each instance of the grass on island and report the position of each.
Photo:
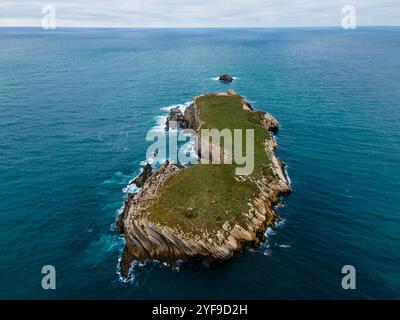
(203, 197)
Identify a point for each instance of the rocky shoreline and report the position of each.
(147, 239)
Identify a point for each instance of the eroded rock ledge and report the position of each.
(146, 239)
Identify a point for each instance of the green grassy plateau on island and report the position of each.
(203, 197)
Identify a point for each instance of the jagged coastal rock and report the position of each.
(141, 179)
(225, 78)
(181, 212)
(186, 120)
(176, 117)
(247, 106)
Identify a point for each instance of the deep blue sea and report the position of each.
(75, 107)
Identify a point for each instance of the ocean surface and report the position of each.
(75, 107)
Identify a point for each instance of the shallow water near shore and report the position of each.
(75, 107)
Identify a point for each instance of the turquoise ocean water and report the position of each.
(76, 104)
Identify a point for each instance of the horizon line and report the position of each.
(209, 27)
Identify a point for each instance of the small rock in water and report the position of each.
(225, 78)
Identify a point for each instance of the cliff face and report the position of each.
(192, 117)
(149, 239)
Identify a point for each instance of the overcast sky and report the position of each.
(198, 13)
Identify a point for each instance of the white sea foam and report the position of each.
(131, 275)
(269, 232)
(285, 246)
(267, 252)
(162, 119)
(287, 175)
(139, 271)
(169, 108)
(281, 223)
(181, 106)
(131, 188)
(285, 170)
(279, 205)
(156, 161)
(160, 124)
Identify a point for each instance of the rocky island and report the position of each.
(205, 211)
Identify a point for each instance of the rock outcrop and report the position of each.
(192, 117)
(246, 105)
(225, 78)
(144, 175)
(148, 239)
(175, 118)
(270, 122)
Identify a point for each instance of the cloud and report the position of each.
(198, 13)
